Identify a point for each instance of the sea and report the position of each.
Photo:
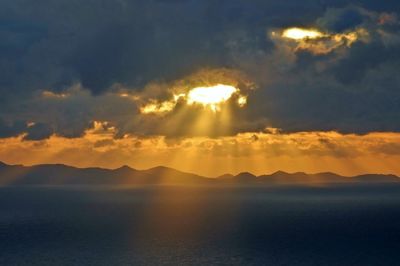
(200, 225)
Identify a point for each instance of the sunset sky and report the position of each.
(209, 87)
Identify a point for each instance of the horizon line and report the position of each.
(204, 176)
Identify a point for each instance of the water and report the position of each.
(178, 225)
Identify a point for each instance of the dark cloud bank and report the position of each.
(60, 46)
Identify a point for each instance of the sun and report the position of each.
(299, 34)
(211, 96)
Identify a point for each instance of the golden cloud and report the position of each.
(258, 152)
(154, 107)
(207, 87)
(317, 41)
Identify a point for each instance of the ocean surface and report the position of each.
(183, 225)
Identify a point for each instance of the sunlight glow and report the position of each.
(242, 101)
(299, 34)
(257, 152)
(211, 96)
(319, 42)
(156, 108)
(50, 94)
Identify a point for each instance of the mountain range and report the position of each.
(59, 174)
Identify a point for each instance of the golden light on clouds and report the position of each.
(317, 41)
(158, 107)
(299, 33)
(209, 88)
(257, 152)
(50, 94)
(242, 101)
(211, 96)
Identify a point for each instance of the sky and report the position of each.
(209, 87)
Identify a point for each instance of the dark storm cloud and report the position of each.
(14, 128)
(38, 131)
(353, 89)
(52, 45)
(338, 20)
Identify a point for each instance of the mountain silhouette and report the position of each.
(59, 174)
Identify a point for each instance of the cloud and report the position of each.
(208, 87)
(317, 42)
(388, 19)
(258, 152)
(66, 64)
(161, 108)
(342, 19)
(66, 114)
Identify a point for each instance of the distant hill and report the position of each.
(59, 174)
